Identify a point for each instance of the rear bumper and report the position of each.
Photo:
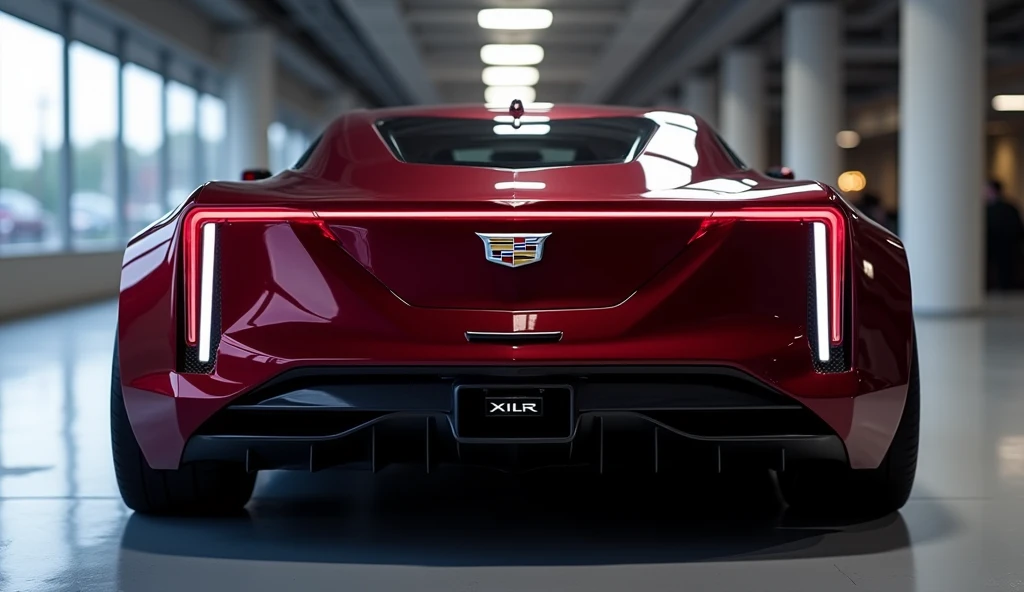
(633, 418)
(308, 304)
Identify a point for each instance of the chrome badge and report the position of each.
(513, 250)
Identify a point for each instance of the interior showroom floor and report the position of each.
(63, 526)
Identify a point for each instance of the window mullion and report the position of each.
(67, 170)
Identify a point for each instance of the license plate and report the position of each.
(513, 412)
(514, 406)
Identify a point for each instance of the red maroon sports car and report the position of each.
(608, 289)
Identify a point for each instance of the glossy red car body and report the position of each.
(360, 260)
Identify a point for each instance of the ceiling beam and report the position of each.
(643, 27)
(323, 21)
(311, 71)
(381, 24)
(689, 49)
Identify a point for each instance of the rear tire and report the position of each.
(837, 488)
(196, 488)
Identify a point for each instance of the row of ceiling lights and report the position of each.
(510, 72)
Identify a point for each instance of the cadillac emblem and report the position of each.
(513, 250)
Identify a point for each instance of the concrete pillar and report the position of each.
(699, 96)
(942, 107)
(250, 96)
(742, 110)
(813, 109)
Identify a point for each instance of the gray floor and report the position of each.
(62, 526)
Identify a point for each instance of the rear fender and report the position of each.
(882, 342)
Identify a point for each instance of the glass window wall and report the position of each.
(31, 137)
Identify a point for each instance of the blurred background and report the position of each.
(113, 111)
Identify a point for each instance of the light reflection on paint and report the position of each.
(526, 185)
(661, 174)
(672, 118)
(695, 192)
(534, 129)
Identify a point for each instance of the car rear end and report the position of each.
(372, 308)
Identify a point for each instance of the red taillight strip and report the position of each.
(197, 217)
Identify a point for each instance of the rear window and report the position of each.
(496, 143)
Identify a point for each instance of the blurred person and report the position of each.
(872, 207)
(1004, 238)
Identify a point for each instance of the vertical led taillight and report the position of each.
(207, 275)
(821, 295)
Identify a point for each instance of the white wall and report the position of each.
(44, 282)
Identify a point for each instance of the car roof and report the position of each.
(479, 111)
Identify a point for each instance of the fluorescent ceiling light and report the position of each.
(536, 106)
(533, 129)
(523, 119)
(1008, 102)
(512, 55)
(511, 76)
(518, 19)
(520, 185)
(502, 96)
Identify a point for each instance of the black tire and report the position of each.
(196, 488)
(839, 489)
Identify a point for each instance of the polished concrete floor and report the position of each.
(63, 527)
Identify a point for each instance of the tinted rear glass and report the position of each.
(538, 143)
